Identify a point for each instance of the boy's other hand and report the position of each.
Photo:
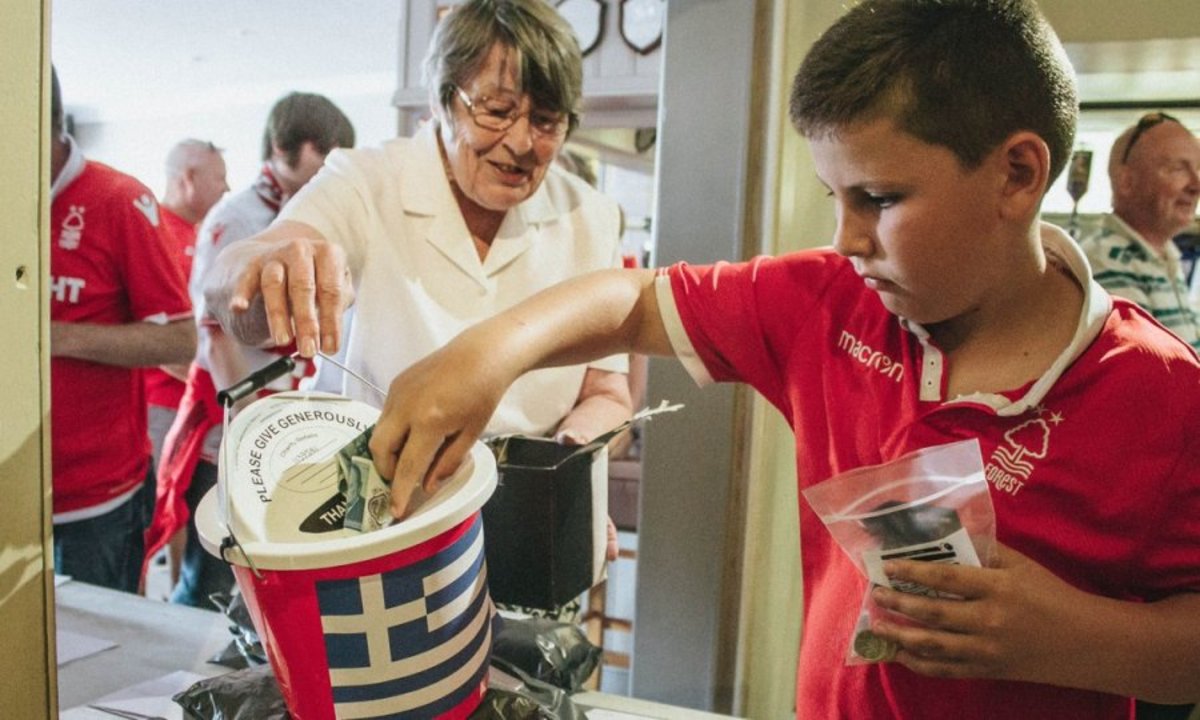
(1013, 620)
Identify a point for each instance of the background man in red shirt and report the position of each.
(118, 303)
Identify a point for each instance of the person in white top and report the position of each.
(430, 234)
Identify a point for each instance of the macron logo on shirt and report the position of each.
(146, 205)
(869, 357)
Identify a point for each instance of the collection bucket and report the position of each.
(392, 623)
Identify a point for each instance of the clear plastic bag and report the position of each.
(931, 505)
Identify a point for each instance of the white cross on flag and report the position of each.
(412, 642)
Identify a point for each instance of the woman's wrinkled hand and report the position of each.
(291, 277)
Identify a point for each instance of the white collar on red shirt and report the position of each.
(72, 168)
(1097, 303)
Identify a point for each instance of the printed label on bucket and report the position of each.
(283, 478)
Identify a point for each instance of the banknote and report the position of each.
(368, 496)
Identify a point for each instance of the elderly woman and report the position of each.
(430, 234)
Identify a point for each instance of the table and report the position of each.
(156, 638)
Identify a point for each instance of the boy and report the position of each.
(944, 311)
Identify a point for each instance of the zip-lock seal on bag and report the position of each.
(932, 505)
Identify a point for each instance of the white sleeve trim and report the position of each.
(680, 342)
(612, 363)
(162, 318)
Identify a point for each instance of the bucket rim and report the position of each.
(345, 549)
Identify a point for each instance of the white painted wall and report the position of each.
(139, 145)
(138, 76)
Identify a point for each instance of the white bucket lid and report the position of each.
(279, 456)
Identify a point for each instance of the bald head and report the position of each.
(195, 179)
(1155, 172)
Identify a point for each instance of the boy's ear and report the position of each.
(1026, 159)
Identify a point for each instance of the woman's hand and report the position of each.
(285, 282)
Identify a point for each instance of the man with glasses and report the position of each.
(1155, 172)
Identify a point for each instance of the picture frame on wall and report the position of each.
(586, 18)
(642, 23)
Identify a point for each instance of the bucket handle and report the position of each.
(227, 398)
(230, 540)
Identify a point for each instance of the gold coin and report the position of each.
(869, 646)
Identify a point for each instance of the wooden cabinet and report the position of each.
(620, 84)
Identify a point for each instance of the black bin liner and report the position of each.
(252, 694)
(555, 653)
(249, 694)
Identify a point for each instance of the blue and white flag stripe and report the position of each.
(411, 641)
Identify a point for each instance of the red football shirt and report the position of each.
(109, 264)
(1077, 481)
(162, 389)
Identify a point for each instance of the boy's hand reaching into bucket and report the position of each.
(435, 410)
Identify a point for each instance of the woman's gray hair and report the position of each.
(550, 60)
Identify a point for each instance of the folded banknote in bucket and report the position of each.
(367, 495)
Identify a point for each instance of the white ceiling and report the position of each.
(115, 57)
(122, 58)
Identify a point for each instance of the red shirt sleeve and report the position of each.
(148, 260)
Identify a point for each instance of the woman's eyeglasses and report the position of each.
(498, 114)
(1146, 122)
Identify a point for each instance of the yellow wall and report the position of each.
(1112, 20)
(25, 611)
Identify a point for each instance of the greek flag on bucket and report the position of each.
(411, 642)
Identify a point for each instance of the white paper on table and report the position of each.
(152, 697)
(60, 580)
(72, 646)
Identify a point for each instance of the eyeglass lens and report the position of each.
(499, 114)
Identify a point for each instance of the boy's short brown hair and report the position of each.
(964, 74)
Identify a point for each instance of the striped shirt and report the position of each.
(1127, 266)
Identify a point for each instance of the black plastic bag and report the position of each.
(246, 649)
(520, 697)
(252, 694)
(249, 694)
(555, 653)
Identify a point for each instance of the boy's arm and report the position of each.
(1018, 621)
(437, 408)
